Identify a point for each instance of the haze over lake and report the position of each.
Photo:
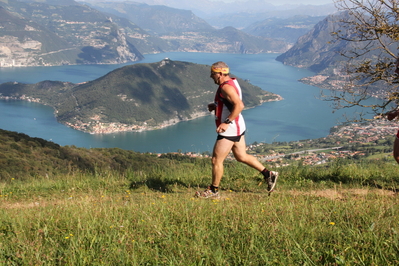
(301, 115)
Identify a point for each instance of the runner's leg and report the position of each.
(240, 153)
(396, 149)
(220, 151)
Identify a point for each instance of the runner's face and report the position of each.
(215, 77)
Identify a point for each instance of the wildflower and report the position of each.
(332, 223)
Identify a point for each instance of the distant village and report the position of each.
(351, 134)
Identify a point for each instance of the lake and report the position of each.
(301, 115)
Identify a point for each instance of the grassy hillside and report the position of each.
(144, 213)
(24, 157)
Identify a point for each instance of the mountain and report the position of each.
(323, 53)
(155, 19)
(317, 50)
(287, 29)
(55, 32)
(22, 42)
(185, 32)
(243, 16)
(135, 97)
(65, 33)
(240, 13)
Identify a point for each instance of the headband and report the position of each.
(223, 70)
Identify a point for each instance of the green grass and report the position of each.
(341, 214)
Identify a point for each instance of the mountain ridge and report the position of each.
(75, 33)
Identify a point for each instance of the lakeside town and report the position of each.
(323, 150)
(341, 136)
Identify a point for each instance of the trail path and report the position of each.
(332, 194)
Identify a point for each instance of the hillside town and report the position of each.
(340, 137)
(370, 132)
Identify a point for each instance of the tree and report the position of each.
(371, 30)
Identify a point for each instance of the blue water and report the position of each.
(301, 115)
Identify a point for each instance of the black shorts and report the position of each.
(233, 139)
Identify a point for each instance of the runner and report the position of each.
(230, 126)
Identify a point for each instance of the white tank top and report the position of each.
(223, 110)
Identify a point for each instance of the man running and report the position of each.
(230, 126)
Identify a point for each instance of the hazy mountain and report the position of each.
(243, 17)
(135, 97)
(185, 32)
(208, 8)
(287, 29)
(156, 19)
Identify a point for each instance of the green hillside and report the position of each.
(72, 206)
(135, 97)
(24, 157)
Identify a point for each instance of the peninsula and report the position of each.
(137, 97)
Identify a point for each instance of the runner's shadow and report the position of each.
(158, 184)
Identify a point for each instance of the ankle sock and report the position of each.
(214, 189)
(266, 173)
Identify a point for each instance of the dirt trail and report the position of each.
(344, 193)
(333, 194)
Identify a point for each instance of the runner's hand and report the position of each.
(222, 128)
(211, 107)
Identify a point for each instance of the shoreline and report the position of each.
(115, 127)
(99, 128)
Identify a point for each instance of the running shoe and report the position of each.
(206, 194)
(271, 180)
